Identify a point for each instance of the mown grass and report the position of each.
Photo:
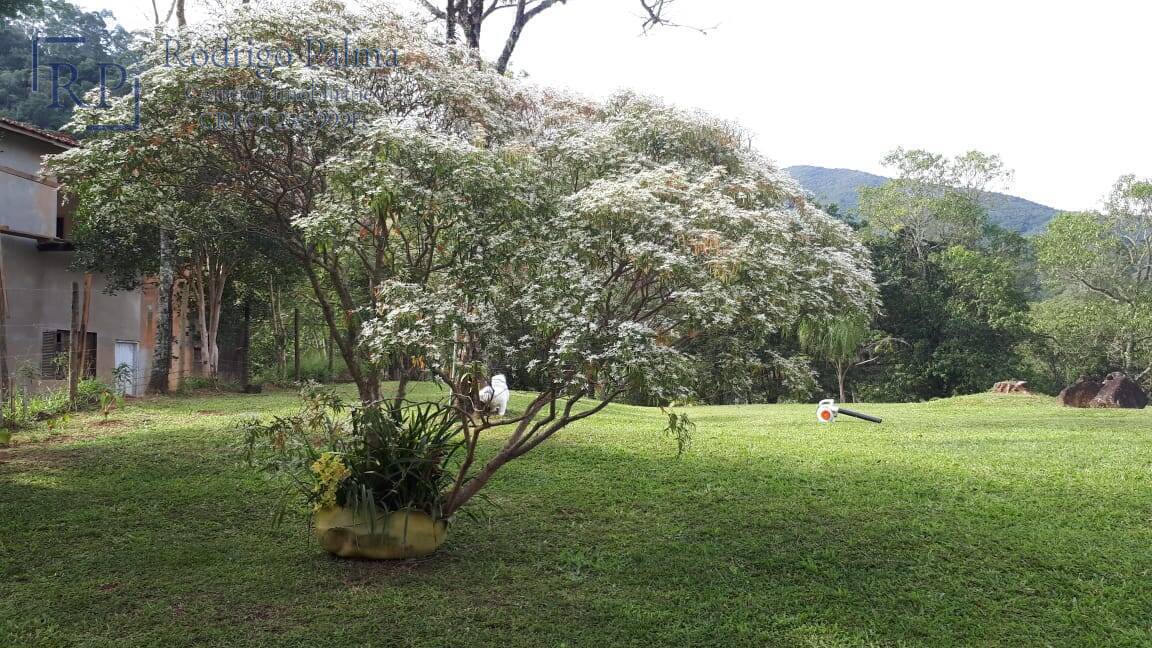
(986, 520)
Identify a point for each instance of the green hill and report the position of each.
(841, 187)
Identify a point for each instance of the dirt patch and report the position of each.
(40, 456)
(266, 616)
(565, 513)
(59, 439)
(82, 430)
(109, 423)
(355, 572)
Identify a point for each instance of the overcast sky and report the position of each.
(1059, 89)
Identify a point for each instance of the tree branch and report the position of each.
(655, 16)
(434, 10)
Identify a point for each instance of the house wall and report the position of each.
(39, 288)
(38, 282)
(29, 201)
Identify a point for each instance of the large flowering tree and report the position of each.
(270, 134)
(635, 230)
(466, 223)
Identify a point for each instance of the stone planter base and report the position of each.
(401, 534)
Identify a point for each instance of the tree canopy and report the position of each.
(1100, 264)
(103, 43)
(465, 222)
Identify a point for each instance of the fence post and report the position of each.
(296, 340)
(4, 386)
(73, 346)
(244, 368)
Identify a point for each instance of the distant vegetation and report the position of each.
(103, 42)
(968, 297)
(841, 187)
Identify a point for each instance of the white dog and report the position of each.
(495, 396)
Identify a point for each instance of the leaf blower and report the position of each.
(827, 410)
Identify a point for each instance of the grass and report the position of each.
(985, 520)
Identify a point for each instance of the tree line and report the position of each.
(966, 303)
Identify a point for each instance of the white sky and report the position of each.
(1059, 89)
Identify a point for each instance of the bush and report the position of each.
(192, 384)
(89, 392)
(24, 409)
(313, 368)
(380, 457)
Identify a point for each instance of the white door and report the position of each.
(126, 379)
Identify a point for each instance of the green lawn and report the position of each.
(974, 521)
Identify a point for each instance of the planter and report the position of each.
(401, 534)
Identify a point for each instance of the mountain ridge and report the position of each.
(841, 187)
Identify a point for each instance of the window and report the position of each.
(54, 355)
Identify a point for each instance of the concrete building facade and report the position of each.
(35, 253)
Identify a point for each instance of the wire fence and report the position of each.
(26, 372)
(248, 347)
(32, 369)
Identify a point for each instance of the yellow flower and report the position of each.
(330, 471)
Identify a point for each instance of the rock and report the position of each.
(1011, 387)
(1120, 391)
(1080, 393)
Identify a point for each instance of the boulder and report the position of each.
(1119, 390)
(1080, 393)
(1011, 387)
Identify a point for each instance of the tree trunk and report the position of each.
(1129, 346)
(366, 376)
(73, 346)
(162, 353)
(475, 23)
(82, 335)
(202, 320)
(513, 37)
(220, 281)
(209, 278)
(840, 371)
(450, 19)
(331, 358)
(279, 335)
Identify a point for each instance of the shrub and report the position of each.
(24, 408)
(378, 457)
(192, 384)
(89, 393)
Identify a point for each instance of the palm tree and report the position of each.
(845, 342)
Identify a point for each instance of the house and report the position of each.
(35, 254)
